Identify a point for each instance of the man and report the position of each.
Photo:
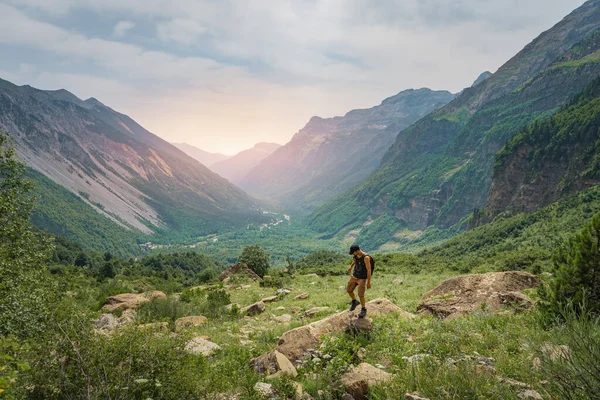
(361, 277)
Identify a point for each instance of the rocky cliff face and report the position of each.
(236, 168)
(329, 155)
(549, 160)
(112, 163)
(439, 170)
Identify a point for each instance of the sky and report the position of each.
(223, 75)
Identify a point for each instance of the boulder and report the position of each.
(284, 319)
(301, 296)
(315, 310)
(555, 352)
(274, 364)
(254, 309)
(357, 381)
(239, 269)
(266, 390)
(133, 301)
(200, 345)
(463, 294)
(294, 343)
(189, 322)
(360, 325)
(282, 292)
(270, 299)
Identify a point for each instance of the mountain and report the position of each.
(127, 174)
(439, 170)
(236, 167)
(549, 160)
(204, 157)
(481, 78)
(330, 155)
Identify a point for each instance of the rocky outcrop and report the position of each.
(463, 294)
(108, 323)
(201, 345)
(239, 269)
(293, 344)
(274, 365)
(189, 322)
(358, 381)
(132, 301)
(254, 309)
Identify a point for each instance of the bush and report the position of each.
(256, 259)
(577, 271)
(575, 373)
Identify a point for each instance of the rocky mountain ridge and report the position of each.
(329, 155)
(439, 170)
(204, 157)
(123, 171)
(235, 168)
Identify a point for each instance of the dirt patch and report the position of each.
(461, 295)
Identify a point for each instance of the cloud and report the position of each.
(122, 27)
(254, 70)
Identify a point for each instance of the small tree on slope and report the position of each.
(256, 259)
(577, 271)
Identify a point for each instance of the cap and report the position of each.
(353, 248)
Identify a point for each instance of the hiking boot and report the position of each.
(363, 313)
(354, 304)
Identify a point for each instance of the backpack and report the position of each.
(372, 263)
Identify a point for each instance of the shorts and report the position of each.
(354, 282)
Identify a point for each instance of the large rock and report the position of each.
(254, 309)
(200, 345)
(358, 381)
(108, 323)
(463, 294)
(294, 343)
(132, 301)
(274, 364)
(189, 322)
(239, 269)
(314, 311)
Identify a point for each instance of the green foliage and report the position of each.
(380, 231)
(322, 258)
(573, 369)
(24, 291)
(577, 271)
(62, 213)
(256, 259)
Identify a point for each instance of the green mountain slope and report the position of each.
(439, 169)
(330, 155)
(129, 175)
(62, 213)
(551, 159)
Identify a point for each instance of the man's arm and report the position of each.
(368, 265)
(351, 266)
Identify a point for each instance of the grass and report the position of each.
(510, 341)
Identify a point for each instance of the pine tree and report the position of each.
(577, 270)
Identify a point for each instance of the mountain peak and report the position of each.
(482, 77)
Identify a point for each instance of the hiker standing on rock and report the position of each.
(361, 277)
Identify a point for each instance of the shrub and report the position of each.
(256, 259)
(577, 271)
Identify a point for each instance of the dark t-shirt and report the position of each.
(360, 268)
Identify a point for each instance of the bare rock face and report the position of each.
(189, 322)
(360, 325)
(108, 323)
(274, 364)
(294, 343)
(133, 301)
(358, 380)
(200, 345)
(239, 269)
(254, 309)
(463, 294)
(270, 299)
